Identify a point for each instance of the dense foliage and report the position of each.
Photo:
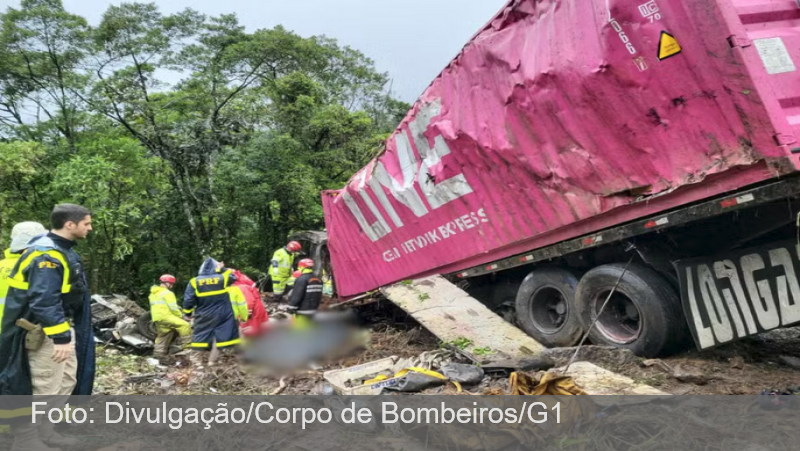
(186, 135)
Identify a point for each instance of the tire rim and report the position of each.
(549, 309)
(621, 321)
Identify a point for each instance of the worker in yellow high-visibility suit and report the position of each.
(238, 303)
(20, 235)
(281, 268)
(327, 284)
(168, 317)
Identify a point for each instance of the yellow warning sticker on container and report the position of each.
(667, 46)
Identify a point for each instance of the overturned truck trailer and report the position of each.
(567, 136)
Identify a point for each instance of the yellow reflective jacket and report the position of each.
(163, 304)
(282, 262)
(239, 304)
(6, 265)
(327, 284)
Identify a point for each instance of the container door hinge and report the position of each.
(738, 41)
(784, 140)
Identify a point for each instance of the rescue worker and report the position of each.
(240, 314)
(281, 268)
(307, 293)
(167, 317)
(47, 287)
(208, 299)
(238, 300)
(291, 281)
(20, 235)
(327, 284)
(256, 320)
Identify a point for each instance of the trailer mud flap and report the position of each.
(741, 293)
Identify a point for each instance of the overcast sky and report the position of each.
(412, 40)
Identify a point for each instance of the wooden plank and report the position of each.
(453, 315)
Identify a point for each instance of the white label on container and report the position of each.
(774, 55)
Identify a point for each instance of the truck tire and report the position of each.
(546, 307)
(644, 314)
(146, 326)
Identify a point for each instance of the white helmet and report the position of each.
(22, 233)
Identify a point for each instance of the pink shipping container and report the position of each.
(563, 118)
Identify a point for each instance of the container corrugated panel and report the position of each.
(560, 118)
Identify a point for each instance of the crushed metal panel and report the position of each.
(137, 341)
(451, 314)
(111, 305)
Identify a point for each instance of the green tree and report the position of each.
(19, 171)
(226, 162)
(41, 49)
(116, 179)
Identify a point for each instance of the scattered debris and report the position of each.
(429, 359)
(599, 381)
(790, 361)
(353, 380)
(141, 378)
(657, 363)
(415, 382)
(462, 373)
(689, 375)
(394, 335)
(155, 363)
(120, 321)
(543, 384)
(597, 354)
(504, 368)
(281, 387)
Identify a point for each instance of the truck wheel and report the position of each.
(546, 307)
(644, 313)
(146, 326)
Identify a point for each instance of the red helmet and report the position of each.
(167, 278)
(306, 263)
(294, 246)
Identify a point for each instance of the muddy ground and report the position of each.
(746, 367)
(392, 333)
(743, 368)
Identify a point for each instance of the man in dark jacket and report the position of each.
(47, 288)
(307, 292)
(208, 299)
